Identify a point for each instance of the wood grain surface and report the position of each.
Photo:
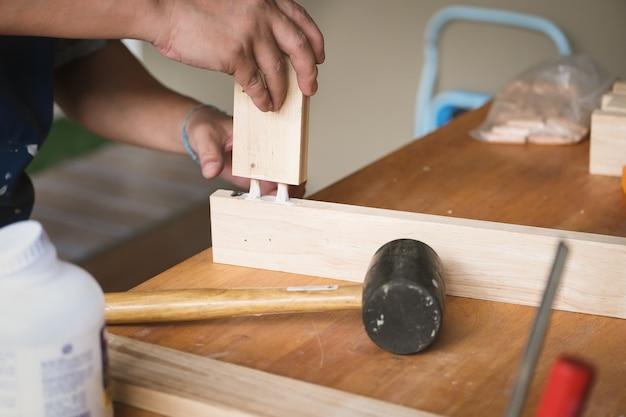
(470, 370)
(180, 384)
(272, 146)
(331, 240)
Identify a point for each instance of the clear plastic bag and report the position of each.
(550, 104)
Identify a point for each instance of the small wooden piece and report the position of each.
(619, 87)
(614, 103)
(271, 146)
(178, 384)
(607, 153)
(548, 131)
(549, 140)
(202, 304)
(485, 260)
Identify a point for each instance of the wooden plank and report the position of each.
(273, 145)
(178, 384)
(484, 260)
(607, 154)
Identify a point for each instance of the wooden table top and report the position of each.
(470, 370)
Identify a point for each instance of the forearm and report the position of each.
(245, 38)
(85, 19)
(110, 93)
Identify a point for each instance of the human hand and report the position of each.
(247, 39)
(211, 137)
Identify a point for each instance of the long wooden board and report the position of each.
(179, 384)
(271, 146)
(484, 260)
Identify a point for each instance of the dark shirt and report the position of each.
(26, 109)
(26, 103)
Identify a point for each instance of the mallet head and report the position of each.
(403, 296)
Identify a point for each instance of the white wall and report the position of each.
(365, 105)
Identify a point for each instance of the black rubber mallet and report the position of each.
(402, 299)
(404, 296)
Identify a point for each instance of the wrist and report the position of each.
(149, 20)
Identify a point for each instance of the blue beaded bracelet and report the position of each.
(183, 133)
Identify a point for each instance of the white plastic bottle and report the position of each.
(52, 351)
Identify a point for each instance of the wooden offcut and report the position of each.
(619, 87)
(271, 146)
(614, 103)
(484, 260)
(607, 154)
(178, 384)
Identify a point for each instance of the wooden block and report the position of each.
(607, 152)
(271, 146)
(530, 123)
(513, 131)
(614, 103)
(179, 384)
(619, 87)
(496, 137)
(484, 260)
(549, 140)
(503, 133)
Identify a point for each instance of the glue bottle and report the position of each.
(52, 348)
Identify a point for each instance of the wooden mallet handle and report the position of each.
(202, 304)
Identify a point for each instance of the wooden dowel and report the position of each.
(202, 304)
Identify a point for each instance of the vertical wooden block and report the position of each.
(607, 153)
(271, 146)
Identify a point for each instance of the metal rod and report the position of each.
(537, 335)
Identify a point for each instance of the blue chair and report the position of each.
(433, 112)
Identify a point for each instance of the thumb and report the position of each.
(210, 156)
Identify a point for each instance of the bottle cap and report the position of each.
(22, 244)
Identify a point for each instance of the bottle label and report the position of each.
(62, 379)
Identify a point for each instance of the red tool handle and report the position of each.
(568, 384)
